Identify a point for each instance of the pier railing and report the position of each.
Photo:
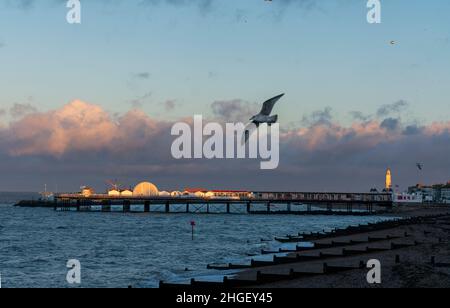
(381, 198)
(259, 203)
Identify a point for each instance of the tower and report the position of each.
(388, 180)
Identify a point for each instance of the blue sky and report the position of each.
(172, 59)
(327, 55)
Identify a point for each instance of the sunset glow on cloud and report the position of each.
(82, 132)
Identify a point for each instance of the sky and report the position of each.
(81, 104)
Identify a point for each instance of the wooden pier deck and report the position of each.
(262, 203)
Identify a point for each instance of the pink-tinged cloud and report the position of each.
(88, 142)
(77, 126)
(364, 135)
(84, 127)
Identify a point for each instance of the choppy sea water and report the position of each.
(138, 249)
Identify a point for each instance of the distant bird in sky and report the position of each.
(263, 117)
(392, 42)
(419, 166)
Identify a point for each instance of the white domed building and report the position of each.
(164, 194)
(145, 189)
(114, 193)
(126, 193)
(176, 194)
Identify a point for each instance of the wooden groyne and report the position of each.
(330, 257)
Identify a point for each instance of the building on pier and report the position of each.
(87, 192)
(164, 194)
(120, 193)
(145, 189)
(176, 194)
(218, 194)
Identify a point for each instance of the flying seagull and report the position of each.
(420, 166)
(263, 117)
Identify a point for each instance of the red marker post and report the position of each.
(193, 226)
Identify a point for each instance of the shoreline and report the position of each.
(414, 253)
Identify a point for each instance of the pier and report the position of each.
(262, 203)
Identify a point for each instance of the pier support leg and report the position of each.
(329, 207)
(268, 207)
(249, 207)
(309, 208)
(106, 206)
(126, 206)
(147, 206)
(187, 207)
(207, 208)
(167, 207)
(228, 208)
(289, 207)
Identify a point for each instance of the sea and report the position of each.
(118, 250)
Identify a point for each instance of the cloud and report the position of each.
(20, 110)
(393, 108)
(319, 117)
(235, 110)
(142, 75)
(413, 130)
(138, 102)
(21, 4)
(390, 124)
(360, 116)
(169, 105)
(82, 143)
(204, 6)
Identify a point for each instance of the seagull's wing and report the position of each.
(268, 105)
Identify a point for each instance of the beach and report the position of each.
(409, 267)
